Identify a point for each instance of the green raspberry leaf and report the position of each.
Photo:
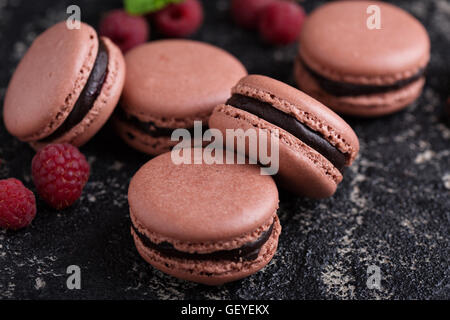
(140, 7)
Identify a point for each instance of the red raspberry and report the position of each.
(60, 172)
(179, 20)
(17, 205)
(280, 22)
(124, 30)
(246, 12)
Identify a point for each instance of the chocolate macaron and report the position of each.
(358, 67)
(315, 144)
(169, 85)
(209, 224)
(65, 88)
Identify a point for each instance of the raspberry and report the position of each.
(280, 22)
(179, 20)
(60, 172)
(17, 205)
(124, 30)
(246, 12)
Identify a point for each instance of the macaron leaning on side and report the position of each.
(169, 85)
(65, 87)
(206, 223)
(315, 144)
(358, 68)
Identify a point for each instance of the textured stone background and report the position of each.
(392, 209)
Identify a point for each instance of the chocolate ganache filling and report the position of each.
(88, 95)
(341, 89)
(147, 127)
(247, 252)
(313, 139)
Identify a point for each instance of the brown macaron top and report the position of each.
(336, 43)
(169, 80)
(45, 86)
(201, 202)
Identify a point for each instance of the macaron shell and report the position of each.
(103, 106)
(177, 79)
(362, 106)
(211, 272)
(304, 108)
(302, 170)
(336, 43)
(201, 202)
(141, 141)
(49, 80)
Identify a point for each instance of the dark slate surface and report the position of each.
(392, 209)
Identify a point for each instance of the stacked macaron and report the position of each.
(357, 67)
(169, 85)
(205, 223)
(65, 87)
(315, 144)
